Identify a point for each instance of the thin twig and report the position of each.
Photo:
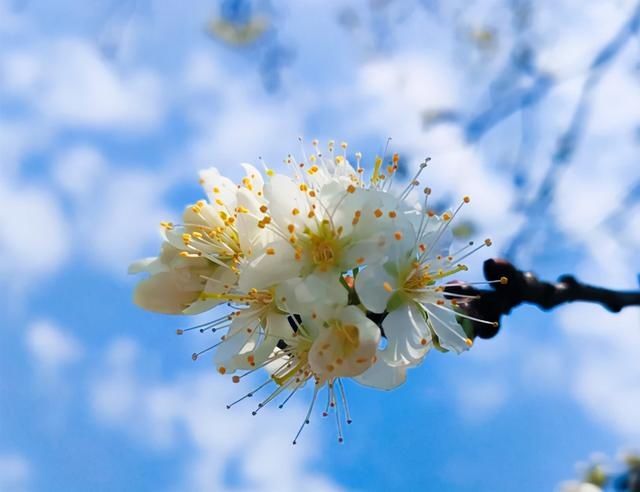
(525, 287)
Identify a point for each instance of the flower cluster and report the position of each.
(325, 274)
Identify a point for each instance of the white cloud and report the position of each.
(19, 137)
(51, 348)
(394, 92)
(233, 119)
(115, 212)
(78, 170)
(34, 238)
(70, 83)
(479, 400)
(10, 21)
(15, 472)
(123, 223)
(542, 366)
(605, 373)
(161, 413)
(600, 19)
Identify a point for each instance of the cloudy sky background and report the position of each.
(108, 109)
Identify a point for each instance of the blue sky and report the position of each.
(109, 108)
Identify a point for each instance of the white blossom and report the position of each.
(313, 268)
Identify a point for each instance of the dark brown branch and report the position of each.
(525, 287)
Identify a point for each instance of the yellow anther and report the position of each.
(504, 280)
(269, 172)
(466, 199)
(387, 286)
(446, 216)
(295, 211)
(351, 189)
(488, 242)
(377, 212)
(392, 214)
(313, 169)
(375, 177)
(291, 228)
(397, 235)
(469, 342)
(263, 209)
(270, 251)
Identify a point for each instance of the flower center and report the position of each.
(346, 339)
(324, 247)
(323, 254)
(421, 275)
(418, 278)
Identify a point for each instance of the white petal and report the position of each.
(370, 288)
(266, 270)
(254, 176)
(238, 344)
(250, 235)
(168, 292)
(408, 336)
(210, 179)
(218, 282)
(450, 334)
(381, 375)
(283, 195)
(140, 266)
(337, 352)
(369, 251)
(278, 327)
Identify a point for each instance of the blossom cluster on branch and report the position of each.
(327, 274)
(599, 476)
